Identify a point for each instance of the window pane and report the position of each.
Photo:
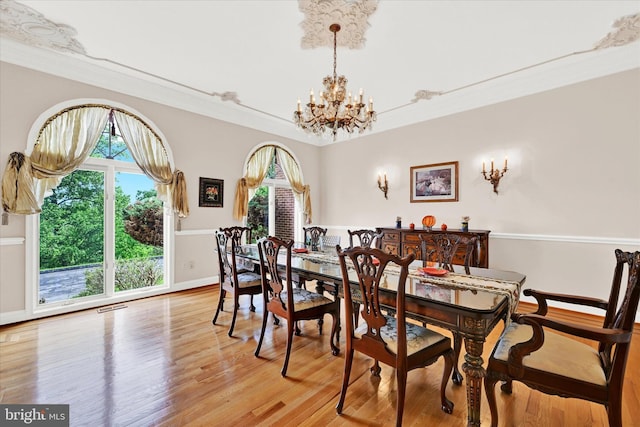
(111, 145)
(71, 238)
(139, 233)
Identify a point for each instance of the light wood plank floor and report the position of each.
(161, 362)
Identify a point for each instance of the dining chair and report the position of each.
(443, 249)
(568, 363)
(237, 233)
(289, 302)
(312, 237)
(365, 238)
(391, 340)
(233, 281)
(328, 243)
(240, 235)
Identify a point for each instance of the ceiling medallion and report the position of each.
(331, 113)
(352, 15)
(627, 31)
(28, 26)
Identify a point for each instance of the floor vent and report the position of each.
(111, 308)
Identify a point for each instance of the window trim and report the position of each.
(32, 226)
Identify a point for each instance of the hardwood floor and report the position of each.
(161, 362)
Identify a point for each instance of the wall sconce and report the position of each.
(383, 184)
(494, 174)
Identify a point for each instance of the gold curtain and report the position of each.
(151, 156)
(63, 144)
(67, 139)
(294, 176)
(257, 168)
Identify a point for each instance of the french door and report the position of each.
(101, 233)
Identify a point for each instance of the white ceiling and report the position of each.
(189, 53)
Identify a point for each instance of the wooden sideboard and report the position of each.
(404, 241)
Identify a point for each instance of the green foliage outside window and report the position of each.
(258, 215)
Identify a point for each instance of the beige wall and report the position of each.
(571, 196)
(201, 146)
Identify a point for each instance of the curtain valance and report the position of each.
(257, 168)
(64, 143)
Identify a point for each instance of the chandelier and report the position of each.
(331, 112)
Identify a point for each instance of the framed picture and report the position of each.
(434, 183)
(211, 192)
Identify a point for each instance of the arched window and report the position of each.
(272, 194)
(103, 182)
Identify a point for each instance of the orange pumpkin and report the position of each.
(428, 221)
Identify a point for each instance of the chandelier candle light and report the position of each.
(494, 174)
(331, 113)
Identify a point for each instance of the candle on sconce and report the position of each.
(371, 104)
(299, 106)
(483, 168)
(311, 97)
(505, 162)
(491, 165)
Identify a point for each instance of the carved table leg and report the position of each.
(474, 374)
(320, 290)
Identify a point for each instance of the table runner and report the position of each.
(509, 289)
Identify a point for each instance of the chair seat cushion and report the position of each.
(304, 299)
(559, 354)
(249, 279)
(418, 338)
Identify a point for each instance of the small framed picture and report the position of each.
(211, 192)
(434, 183)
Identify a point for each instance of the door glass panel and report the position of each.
(138, 233)
(72, 239)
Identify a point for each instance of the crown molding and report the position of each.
(79, 68)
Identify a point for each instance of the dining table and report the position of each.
(467, 302)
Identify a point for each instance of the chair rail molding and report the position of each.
(11, 241)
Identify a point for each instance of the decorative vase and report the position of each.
(428, 221)
(465, 223)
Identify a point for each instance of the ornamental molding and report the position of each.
(28, 26)
(627, 30)
(353, 17)
(425, 94)
(227, 96)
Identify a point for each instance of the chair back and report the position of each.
(226, 257)
(236, 233)
(442, 248)
(370, 275)
(273, 284)
(329, 243)
(621, 316)
(312, 237)
(365, 238)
